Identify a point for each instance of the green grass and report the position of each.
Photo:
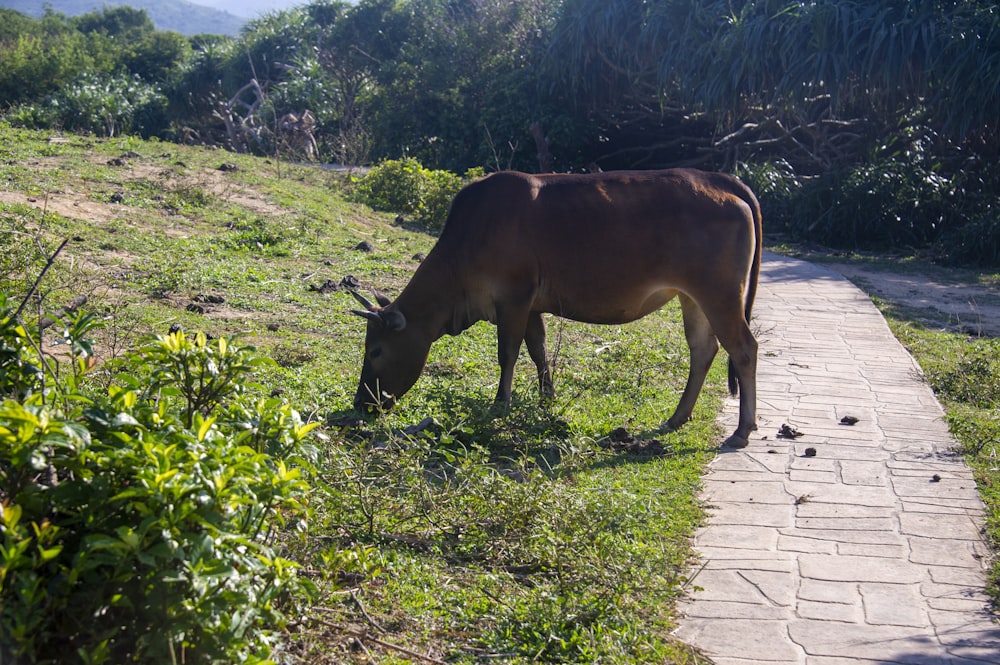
(479, 539)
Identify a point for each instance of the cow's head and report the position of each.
(395, 355)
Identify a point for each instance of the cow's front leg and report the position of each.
(534, 337)
(512, 324)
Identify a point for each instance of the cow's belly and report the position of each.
(605, 306)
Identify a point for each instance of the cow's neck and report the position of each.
(436, 300)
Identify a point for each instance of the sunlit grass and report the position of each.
(512, 538)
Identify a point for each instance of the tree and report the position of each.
(467, 70)
(816, 79)
(122, 22)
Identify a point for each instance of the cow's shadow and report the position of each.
(529, 428)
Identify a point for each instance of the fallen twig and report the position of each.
(365, 614)
(362, 635)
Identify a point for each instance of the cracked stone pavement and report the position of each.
(865, 549)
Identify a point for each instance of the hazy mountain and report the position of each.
(180, 16)
(251, 8)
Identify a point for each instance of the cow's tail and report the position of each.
(747, 195)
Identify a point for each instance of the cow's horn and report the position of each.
(364, 301)
(367, 314)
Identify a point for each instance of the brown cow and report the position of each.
(599, 248)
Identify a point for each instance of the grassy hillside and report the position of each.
(180, 16)
(468, 538)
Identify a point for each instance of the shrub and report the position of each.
(102, 104)
(902, 197)
(141, 525)
(404, 186)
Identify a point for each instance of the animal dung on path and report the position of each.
(848, 420)
(788, 432)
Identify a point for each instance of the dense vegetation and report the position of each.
(860, 124)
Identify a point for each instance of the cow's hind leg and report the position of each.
(703, 346)
(734, 333)
(534, 338)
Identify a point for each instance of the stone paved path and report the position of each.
(870, 550)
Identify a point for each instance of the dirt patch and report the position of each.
(76, 204)
(67, 204)
(960, 305)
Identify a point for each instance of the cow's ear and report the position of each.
(393, 320)
(382, 299)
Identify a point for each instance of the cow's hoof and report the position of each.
(672, 425)
(736, 441)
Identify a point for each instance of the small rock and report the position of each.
(273, 327)
(196, 308)
(419, 256)
(365, 246)
(228, 166)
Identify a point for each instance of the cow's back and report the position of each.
(603, 247)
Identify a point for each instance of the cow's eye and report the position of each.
(375, 353)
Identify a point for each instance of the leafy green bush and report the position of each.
(977, 241)
(100, 103)
(900, 199)
(404, 186)
(142, 524)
